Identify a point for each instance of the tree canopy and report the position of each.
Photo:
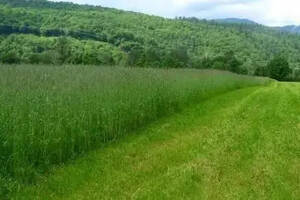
(279, 68)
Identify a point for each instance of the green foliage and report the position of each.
(10, 57)
(176, 57)
(279, 68)
(62, 49)
(94, 35)
(296, 74)
(228, 62)
(58, 50)
(262, 71)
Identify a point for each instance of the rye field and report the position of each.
(53, 114)
(242, 144)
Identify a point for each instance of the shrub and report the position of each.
(10, 57)
(279, 68)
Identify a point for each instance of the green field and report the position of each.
(103, 103)
(239, 145)
(50, 115)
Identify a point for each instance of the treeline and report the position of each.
(31, 49)
(67, 50)
(81, 34)
(43, 4)
(278, 68)
(16, 49)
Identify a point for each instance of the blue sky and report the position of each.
(268, 12)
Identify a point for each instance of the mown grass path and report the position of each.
(241, 145)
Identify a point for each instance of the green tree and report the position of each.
(228, 62)
(279, 68)
(10, 58)
(152, 57)
(63, 50)
(232, 63)
(176, 57)
(135, 53)
(261, 71)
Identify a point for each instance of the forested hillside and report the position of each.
(291, 29)
(38, 31)
(236, 21)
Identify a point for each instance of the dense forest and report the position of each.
(43, 32)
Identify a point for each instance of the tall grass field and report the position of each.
(51, 114)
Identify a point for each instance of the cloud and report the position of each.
(282, 12)
(269, 12)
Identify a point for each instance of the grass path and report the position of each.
(241, 145)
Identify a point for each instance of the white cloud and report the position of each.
(282, 12)
(270, 12)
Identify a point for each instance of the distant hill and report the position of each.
(236, 21)
(290, 28)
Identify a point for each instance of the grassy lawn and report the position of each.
(243, 144)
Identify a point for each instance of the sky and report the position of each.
(268, 12)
